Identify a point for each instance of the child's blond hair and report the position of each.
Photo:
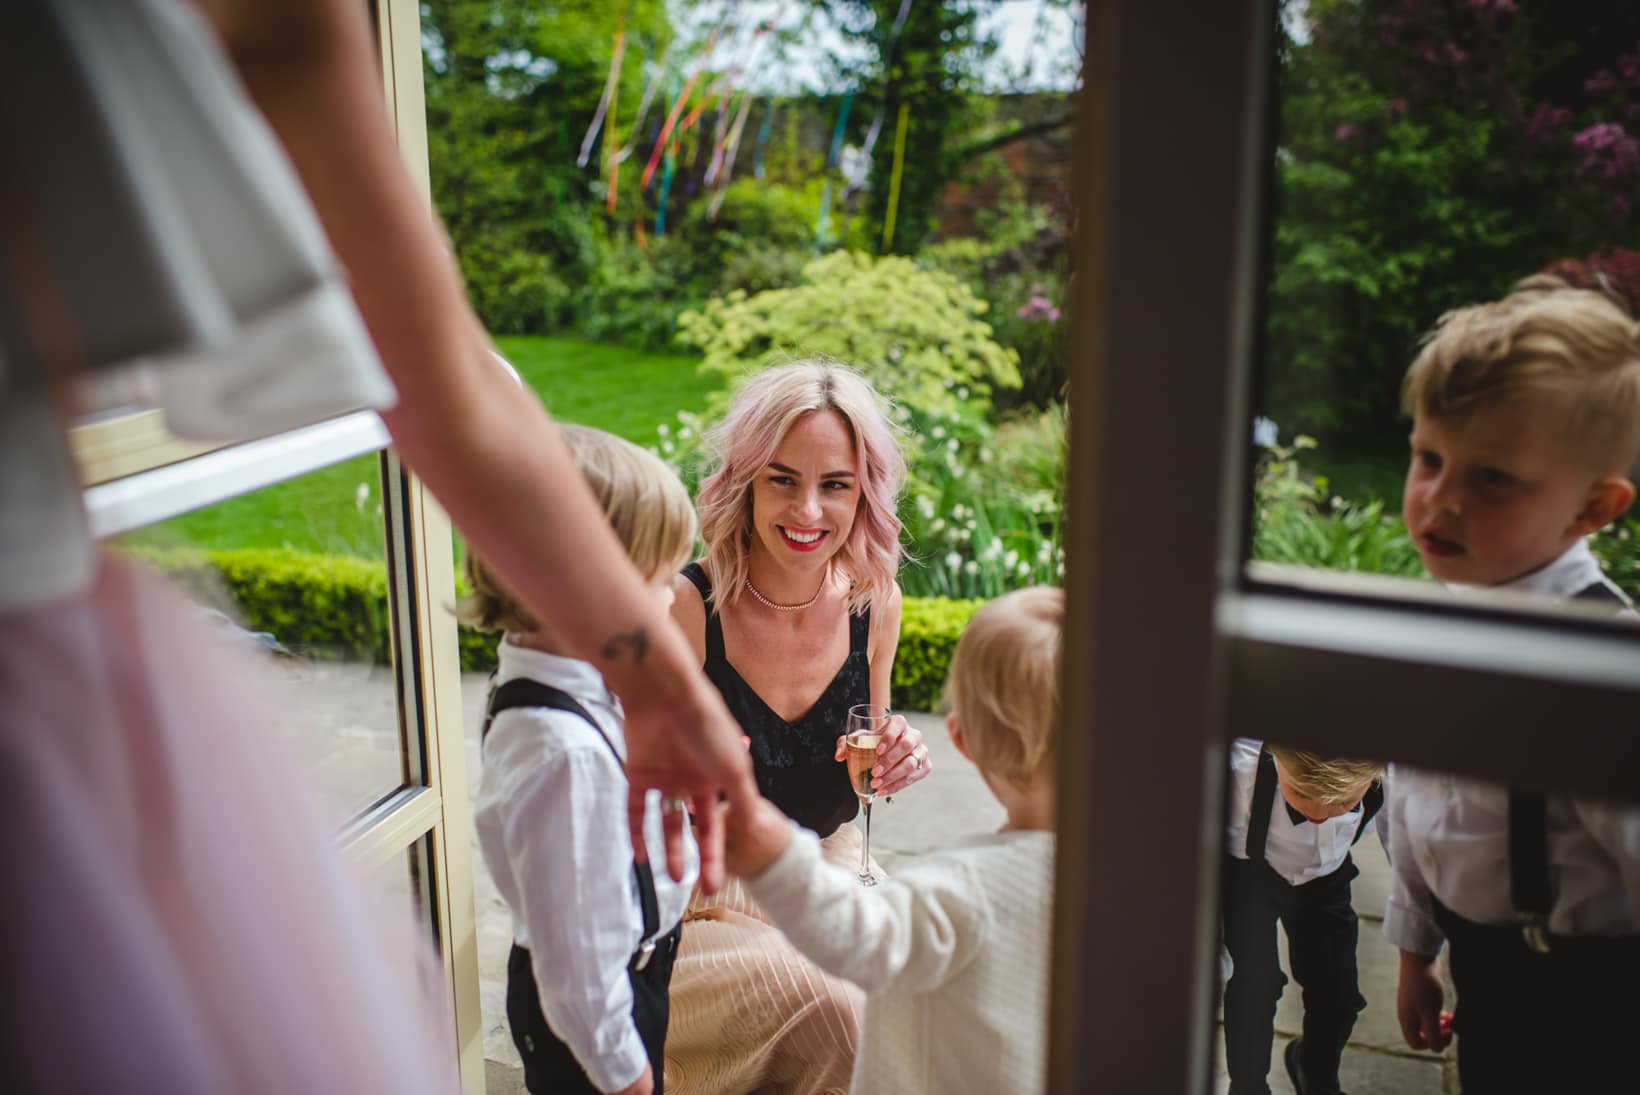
(1004, 684)
(1545, 337)
(645, 502)
(1331, 781)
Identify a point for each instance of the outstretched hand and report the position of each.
(691, 750)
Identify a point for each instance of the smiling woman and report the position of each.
(795, 614)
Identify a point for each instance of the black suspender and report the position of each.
(1264, 799)
(522, 692)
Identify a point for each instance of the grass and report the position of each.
(336, 510)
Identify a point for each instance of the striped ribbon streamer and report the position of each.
(831, 162)
(605, 103)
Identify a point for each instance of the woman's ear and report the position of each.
(1608, 500)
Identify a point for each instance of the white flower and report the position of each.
(970, 567)
(992, 551)
(663, 429)
(1024, 570)
(938, 525)
(1011, 560)
(667, 447)
(959, 512)
(1044, 551)
(962, 392)
(925, 506)
(361, 497)
(938, 432)
(953, 561)
(685, 431)
(952, 444)
(1265, 432)
(984, 456)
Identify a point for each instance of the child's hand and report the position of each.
(757, 835)
(643, 1085)
(1418, 997)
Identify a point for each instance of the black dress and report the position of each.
(794, 761)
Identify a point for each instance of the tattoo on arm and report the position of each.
(635, 641)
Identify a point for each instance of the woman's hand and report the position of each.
(902, 758)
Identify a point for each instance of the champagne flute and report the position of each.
(866, 724)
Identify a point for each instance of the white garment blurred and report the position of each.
(177, 919)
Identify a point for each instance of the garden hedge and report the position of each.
(335, 607)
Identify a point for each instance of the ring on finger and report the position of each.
(673, 804)
(919, 761)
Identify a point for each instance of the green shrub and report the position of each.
(929, 629)
(916, 333)
(335, 608)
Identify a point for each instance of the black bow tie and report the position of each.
(1297, 818)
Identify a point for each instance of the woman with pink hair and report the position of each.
(795, 614)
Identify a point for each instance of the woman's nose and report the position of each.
(808, 506)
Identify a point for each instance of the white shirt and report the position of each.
(1300, 852)
(1449, 836)
(551, 821)
(952, 952)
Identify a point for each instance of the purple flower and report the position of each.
(1601, 83)
(1546, 120)
(1344, 131)
(1608, 151)
(1396, 108)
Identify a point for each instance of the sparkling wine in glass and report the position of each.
(866, 723)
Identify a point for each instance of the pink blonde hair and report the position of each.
(760, 415)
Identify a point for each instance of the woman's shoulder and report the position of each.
(689, 610)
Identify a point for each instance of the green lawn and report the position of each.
(335, 509)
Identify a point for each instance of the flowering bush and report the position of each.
(917, 334)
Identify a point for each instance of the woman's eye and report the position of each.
(835, 484)
(781, 480)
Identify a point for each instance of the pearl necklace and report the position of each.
(766, 603)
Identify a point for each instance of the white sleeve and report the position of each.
(1409, 913)
(1617, 830)
(566, 839)
(910, 933)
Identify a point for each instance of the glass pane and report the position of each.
(1372, 954)
(1429, 158)
(297, 573)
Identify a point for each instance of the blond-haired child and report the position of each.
(953, 950)
(1526, 425)
(1294, 816)
(594, 933)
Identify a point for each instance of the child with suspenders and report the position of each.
(1526, 425)
(594, 931)
(1293, 818)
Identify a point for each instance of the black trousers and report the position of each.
(1321, 936)
(1529, 1022)
(549, 1066)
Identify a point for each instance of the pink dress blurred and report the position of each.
(178, 919)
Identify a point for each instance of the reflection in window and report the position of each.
(296, 573)
(1430, 157)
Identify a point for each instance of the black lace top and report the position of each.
(793, 760)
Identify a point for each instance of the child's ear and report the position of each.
(1608, 500)
(955, 729)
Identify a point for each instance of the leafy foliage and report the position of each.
(917, 334)
(929, 630)
(1433, 152)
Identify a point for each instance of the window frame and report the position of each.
(1171, 651)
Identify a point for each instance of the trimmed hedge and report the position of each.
(335, 607)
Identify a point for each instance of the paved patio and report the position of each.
(955, 802)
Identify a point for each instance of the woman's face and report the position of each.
(804, 500)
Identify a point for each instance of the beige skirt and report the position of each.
(751, 1014)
